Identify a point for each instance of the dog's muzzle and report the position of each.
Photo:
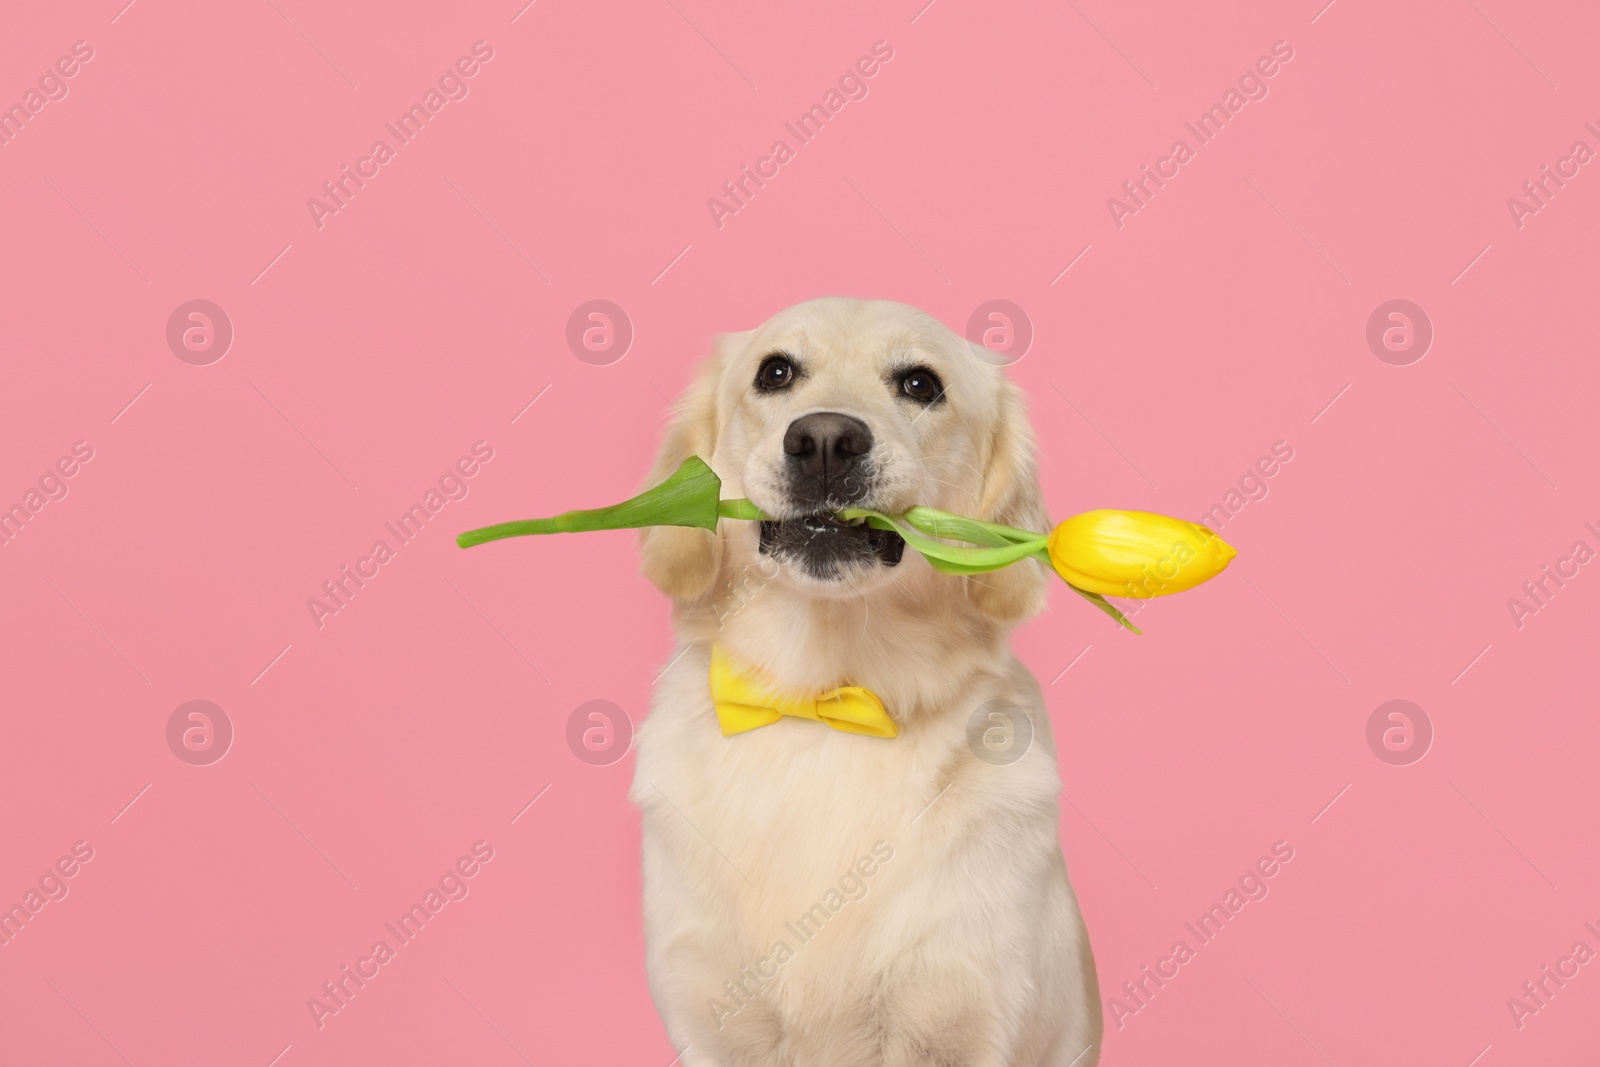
(828, 466)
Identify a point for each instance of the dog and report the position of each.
(814, 897)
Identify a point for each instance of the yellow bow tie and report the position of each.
(742, 703)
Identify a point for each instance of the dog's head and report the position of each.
(841, 403)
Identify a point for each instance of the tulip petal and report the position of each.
(1136, 553)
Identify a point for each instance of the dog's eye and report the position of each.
(921, 385)
(776, 372)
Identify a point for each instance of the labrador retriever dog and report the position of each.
(826, 895)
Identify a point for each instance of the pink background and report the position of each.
(1225, 316)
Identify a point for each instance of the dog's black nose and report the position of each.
(827, 446)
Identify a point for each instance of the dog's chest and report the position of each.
(803, 801)
(778, 817)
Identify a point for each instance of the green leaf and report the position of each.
(688, 498)
(943, 524)
(1106, 606)
(950, 559)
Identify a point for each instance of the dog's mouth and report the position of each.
(826, 545)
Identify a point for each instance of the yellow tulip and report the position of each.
(1136, 553)
(1099, 553)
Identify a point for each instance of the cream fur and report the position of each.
(967, 948)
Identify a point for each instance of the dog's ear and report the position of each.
(1011, 496)
(682, 561)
